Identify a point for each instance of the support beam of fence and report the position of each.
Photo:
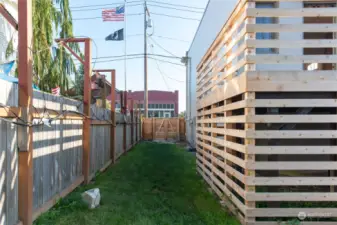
(132, 123)
(86, 111)
(25, 134)
(125, 104)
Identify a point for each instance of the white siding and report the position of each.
(215, 16)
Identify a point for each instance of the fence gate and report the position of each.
(163, 129)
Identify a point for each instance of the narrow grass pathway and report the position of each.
(154, 184)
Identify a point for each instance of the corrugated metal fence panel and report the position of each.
(57, 151)
(8, 159)
(100, 140)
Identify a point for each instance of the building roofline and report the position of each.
(202, 18)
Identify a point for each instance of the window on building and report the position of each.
(164, 106)
(265, 35)
(172, 106)
(160, 106)
(156, 106)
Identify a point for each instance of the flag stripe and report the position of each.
(113, 14)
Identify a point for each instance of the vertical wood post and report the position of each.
(103, 94)
(113, 118)
(250, 158)
(137, 121)
(86, 111)
(153, 123)
(25, 134)
(132, 123)
(178, 129)
(125, 101)
(166, 123)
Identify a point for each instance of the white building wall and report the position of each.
(215, 16)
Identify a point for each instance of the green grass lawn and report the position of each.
(154, 184)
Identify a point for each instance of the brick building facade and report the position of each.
(161, 103)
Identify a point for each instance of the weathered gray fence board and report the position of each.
(57, 150)
(8, 174)
(99, 140)
(8, 159)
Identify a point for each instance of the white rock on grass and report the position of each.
(92, 197)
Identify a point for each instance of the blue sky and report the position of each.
(163, 26)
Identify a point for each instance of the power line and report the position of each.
(101, 8)
(140, 2)
(161, 73)
(137, 57)
(138, 14)
(156, 43)
(100, 17)
(138, 54)
(109, 4)
(170, 38)
(178, 17)
(165, 61)
(178, 5)
(174, 8)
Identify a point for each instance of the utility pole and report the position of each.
(145, 64)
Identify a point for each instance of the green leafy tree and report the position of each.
(51, 68)
(79, 81)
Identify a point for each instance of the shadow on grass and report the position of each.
(154, 184)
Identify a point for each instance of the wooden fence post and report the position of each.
(153, 128)
(137, 122)
(86, 111)
(132, 123)
(166, 123)
(25, 134)
(125, 101)
(178, 129)
(113, 117)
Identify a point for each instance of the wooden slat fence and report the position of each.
(58, 149)
(100, 140)
(164, 129)
(8, 159)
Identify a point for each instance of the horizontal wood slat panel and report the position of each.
(292, 150)
(292, 212)
(295, 196)
(280, 12)
(251, 28)
(321, 43)
(292, 134)
(288, 181)
(265, 115)
(281, 165)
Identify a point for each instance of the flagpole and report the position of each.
(125, 37)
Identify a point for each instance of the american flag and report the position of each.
(116, 14)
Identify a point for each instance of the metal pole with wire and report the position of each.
(125, 36)
(145, 65)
